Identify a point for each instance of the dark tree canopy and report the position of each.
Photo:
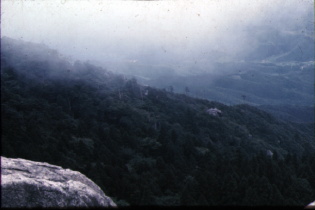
(145, 146)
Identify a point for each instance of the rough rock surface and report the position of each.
(27, 183)
(311, 205)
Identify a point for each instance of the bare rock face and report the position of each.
(311, 205)
(27, 183)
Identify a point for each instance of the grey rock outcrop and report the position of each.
(310, 206)
(27, 183)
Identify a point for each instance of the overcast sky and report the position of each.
(120, 30)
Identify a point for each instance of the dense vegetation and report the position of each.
(145, 146)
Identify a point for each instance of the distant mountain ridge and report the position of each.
(276, 45)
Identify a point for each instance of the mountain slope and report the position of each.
(146, 146)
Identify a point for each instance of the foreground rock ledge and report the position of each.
(27, 183)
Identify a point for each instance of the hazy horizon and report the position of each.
(154, 32)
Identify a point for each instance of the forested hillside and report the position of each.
(145, 146)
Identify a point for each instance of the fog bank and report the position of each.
(155, 32)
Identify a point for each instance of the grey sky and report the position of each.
(160, 30)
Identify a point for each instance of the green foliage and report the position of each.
(158, 148)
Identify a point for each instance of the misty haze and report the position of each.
(165, 102)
